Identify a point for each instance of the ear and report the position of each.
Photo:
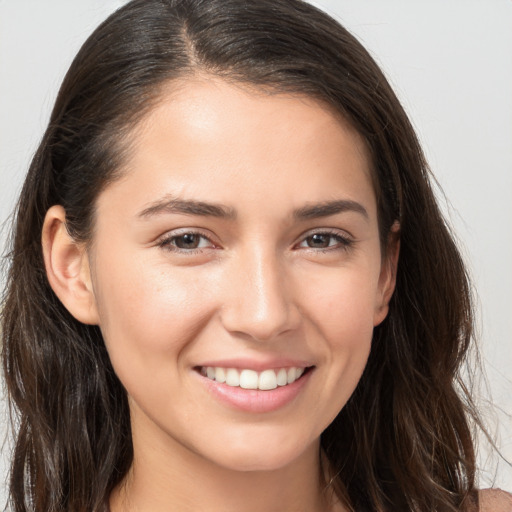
(387, 277)
(67, 267)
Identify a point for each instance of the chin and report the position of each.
(245, 454)
(251, 463)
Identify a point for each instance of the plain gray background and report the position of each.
(450, 62)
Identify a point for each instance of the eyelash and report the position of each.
(344, 243)
(168, 242)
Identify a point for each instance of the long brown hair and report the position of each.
(403, 441)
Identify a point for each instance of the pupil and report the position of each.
(187, 241)
(319, 240)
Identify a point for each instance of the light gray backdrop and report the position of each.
(451, 64)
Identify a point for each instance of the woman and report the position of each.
(231, 286)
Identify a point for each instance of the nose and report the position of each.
(260, 298)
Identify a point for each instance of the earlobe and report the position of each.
(67, 267)
(387, 278)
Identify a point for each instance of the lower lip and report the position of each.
(255, 400)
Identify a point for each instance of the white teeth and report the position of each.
(220, 375)
(232, 377)
(267, 380)
(282, 377)
(250, 379)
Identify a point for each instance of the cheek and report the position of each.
(342, 303)
(147, 311)
(342, 311)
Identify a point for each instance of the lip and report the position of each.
(258, 366)
(255, 400)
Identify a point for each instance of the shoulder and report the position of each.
(494, 500)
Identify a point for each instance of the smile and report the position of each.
(250, 379)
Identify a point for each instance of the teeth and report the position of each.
(282, 377)
(267, 380)
(232, 377)
(250, 379)
(220, 374)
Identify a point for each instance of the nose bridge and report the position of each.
(260, 303)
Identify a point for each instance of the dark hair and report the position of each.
(403, 441)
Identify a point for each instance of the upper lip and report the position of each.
(256, 365)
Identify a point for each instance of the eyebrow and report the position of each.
(329, 208)
(170, 205)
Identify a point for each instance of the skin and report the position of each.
(258, 287)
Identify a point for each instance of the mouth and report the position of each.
(265, 380)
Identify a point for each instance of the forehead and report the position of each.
(209, 104)
(228, 141)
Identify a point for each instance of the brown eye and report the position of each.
(319, 240)
(188, 241)
(326, 240)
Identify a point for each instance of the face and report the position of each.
(237, 273)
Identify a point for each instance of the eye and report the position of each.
(188, 241)
(325, 240)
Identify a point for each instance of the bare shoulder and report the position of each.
(494, 500)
